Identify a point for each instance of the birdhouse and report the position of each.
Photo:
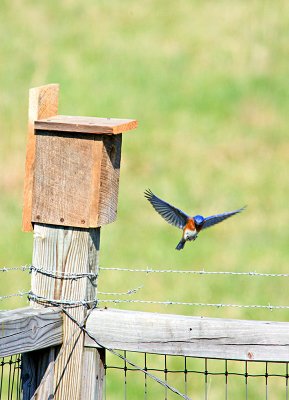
(72, 178)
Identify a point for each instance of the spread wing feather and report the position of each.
(215, 219)
(171, 214)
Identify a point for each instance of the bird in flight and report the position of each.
(191, 226)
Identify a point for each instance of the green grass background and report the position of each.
(208, 83)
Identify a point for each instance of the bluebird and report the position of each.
(191, 226)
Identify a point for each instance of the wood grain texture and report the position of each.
(67, 178)
(76, 179)
(93, 374)
(109, 179)
(27, 329)
(66, 250)
(43, 102)
(94, 125)
(189, 336)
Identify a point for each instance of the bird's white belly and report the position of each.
(190, 234)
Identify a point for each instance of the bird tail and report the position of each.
(181, 244)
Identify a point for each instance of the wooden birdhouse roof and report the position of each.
(94, 125)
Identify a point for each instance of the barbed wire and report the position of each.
(63, 275)
(20, 268)
(193, 304)
(43, 300)
(76, 303)
(92, 275)
(128, 292)
(18, 294)
(88, 303)
(63, 303)
(52, 274)
(194, 272)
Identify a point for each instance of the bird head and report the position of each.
(199, 219)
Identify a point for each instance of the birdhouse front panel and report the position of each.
(67, 179)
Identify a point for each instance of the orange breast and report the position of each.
(190, 224)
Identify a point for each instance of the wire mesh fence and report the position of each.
(10, 378)
(196, 378)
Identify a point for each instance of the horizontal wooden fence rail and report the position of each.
(189, 336)
(29, 329)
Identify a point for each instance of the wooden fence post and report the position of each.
(71, 190)
(43, 103)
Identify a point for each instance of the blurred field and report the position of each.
(208, 82)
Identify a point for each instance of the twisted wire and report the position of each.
(63, 275)
(19, 294)
(195, 272)
(55, 275)
(78, 275)
(64, 303)
(128, 292)
(193, 304)
(21, 268)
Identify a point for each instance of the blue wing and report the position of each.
(215, 219)
(171, 214)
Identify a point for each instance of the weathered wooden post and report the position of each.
(71, 190)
